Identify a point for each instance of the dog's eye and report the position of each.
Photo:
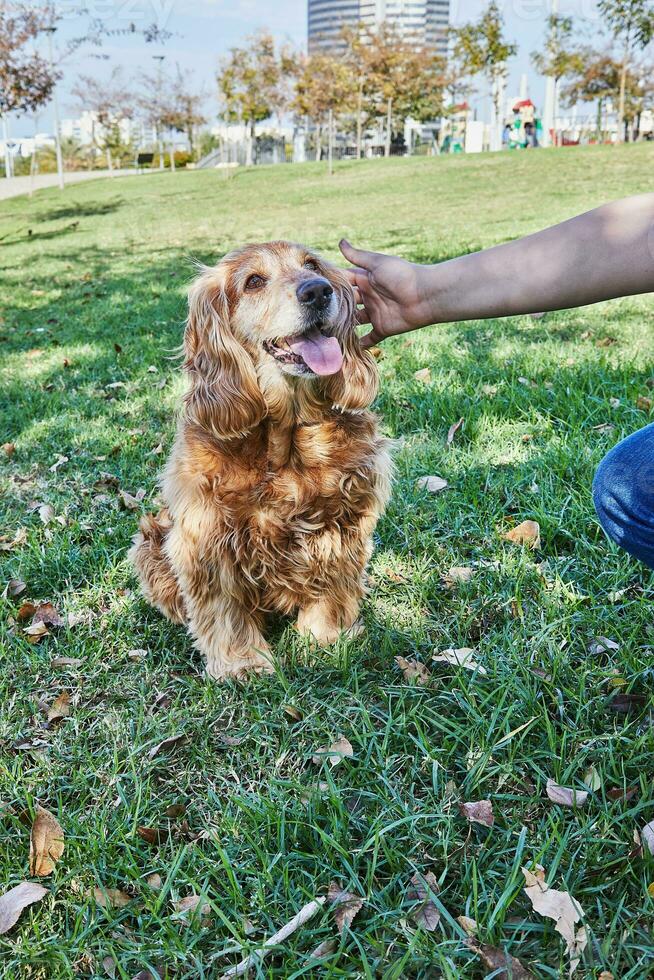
(311, 264)
(255, 282)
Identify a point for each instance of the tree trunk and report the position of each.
(109, 162)
(249, 144)
(330, 152)
(319, 141)
(359, 120)
(389, 124)
(621, 99)
(600, 111)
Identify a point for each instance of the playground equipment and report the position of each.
(524, 131)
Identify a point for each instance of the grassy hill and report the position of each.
(93, 288)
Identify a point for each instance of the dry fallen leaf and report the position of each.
(46, 843)
(175, 810)
(468, 925)
(413, 670)
(562, 908)
(606, 342)
(452, 431)
(167, 743)
(65, 662)
(8, 544)
(647, 834)
(424, 375)
(325, 949)
(15, 900)
(459, 573)
(46, 513)
(154, 882)
(15, 587)
(346, 906)
(425, 915)
(8, 448)
(293, 713)
(462, 657)
(46, 613)
(527, 533)
(335, 753)
(190, 903)
(565, 796)
(644, 403)
(60, 707)
(503, 965)
(152, 835)
(433, 484)
(479, 812)
(110, 898)
(601, 644)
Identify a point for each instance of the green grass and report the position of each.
(108, 264)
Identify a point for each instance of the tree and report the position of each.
(633, 22)
(557, 59)
(482, 49)
(110, 101)
(26, 79)
(251, 83)
(324, 88)
(183, 111)
(594, 77)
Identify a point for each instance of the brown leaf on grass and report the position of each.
(26, 611)
(346, 906)
(46, 513)
(426, 914)
(15, 900)
(154, 881)
(423, 375)
(622, 793)
(46, 613)
(601, 644)
(562, 908)
(36, 632)
(458, 574)
(152, 835)
(334, 753)
(8, 543)
(60, 707)
(452, 431)
(293, 713)
(625, 703)
(413, 670)
(564, 796)
(190, 903)
(606, 341)
(15, 587)
(527, 533)
(111, 898)
(175, 810)
(46, 843)
(462, 657)
(468, 925)
(109, 966)
(433, 484)
(167, 743)
(479, 812)
(59, 461)
(65, 662)
(324, 949)
(128, 501)
(647, 834)
(503, 965)
(644, 403)
(8, 448)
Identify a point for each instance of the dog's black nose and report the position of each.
(315, 293)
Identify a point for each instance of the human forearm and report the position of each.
(596, 256)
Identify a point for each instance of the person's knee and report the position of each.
(623, 494)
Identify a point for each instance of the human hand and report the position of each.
(390, 290)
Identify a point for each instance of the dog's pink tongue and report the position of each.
(321, 354)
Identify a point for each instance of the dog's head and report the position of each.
(263, 320)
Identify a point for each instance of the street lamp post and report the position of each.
(160, 59)
(55, 105)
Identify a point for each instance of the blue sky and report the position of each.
(205, 29)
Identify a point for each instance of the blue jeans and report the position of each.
(623, 494)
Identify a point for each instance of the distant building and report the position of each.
(426, 20)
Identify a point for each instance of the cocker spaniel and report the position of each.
(278, 474)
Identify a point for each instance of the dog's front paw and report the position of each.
(240, 666)
(317, 623)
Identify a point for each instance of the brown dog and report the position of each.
(278, 474)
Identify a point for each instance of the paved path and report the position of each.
(14, 186)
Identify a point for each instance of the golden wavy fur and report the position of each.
(278, 474)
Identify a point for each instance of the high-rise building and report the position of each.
(426, 20)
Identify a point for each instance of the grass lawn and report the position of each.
(93, 301)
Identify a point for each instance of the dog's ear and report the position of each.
(356, 384)
(224, 395)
